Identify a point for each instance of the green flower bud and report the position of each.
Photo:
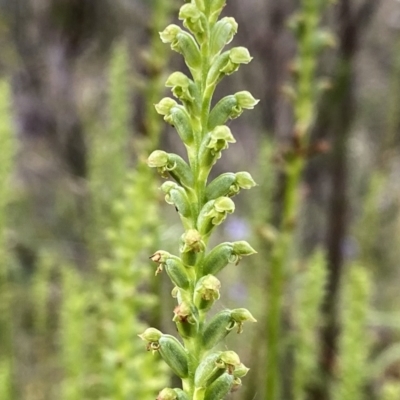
(227, 63)
(222, 34)
(176, 195)
(206, 292)
(213, 144)
(222, 323)
(208, 370)
(220, 387)
(183, 43)
(176, 116)
(193, 19)
(151, 335)
(229, 184)
(182, 87)
(240, 55)
(180, 170)
(240, 371)
(242, 248)
(230, 107)
(170, 33)
(237, 56)
(230, 360)
(172, 164)
(192, 243)
(246, 100)
(165, 105)
(174, 354)
(240, 315)
(214, 213)
(180, 119)
(245, 180)
(157, 159)
(167, 394)
(172, 394)
(185, 319)
(220, 136)
(218, 258)
(217, 329)
(220, 186)
(174, 267)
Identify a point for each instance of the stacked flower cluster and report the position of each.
(206, 373)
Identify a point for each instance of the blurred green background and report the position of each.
(80, 212)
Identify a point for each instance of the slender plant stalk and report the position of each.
(73, 334)
(7, 152)
(304, 93)
(354, 344)
(308, 300)
(206, 373)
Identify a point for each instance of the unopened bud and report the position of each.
(193, 19)
(217, 329)
(151, 335)
(222, 34)
(174, 354)
(165, 105)
(208, 370)
(180, 85)
(167, 394)
(240, 371)
(220, 387)
(240, 315)
(214, 213)
(206, 292)
(185, 320)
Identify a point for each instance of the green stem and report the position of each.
(304, 109)
(279, 259)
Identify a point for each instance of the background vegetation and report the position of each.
(80, 212)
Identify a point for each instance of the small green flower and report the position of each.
(220, 137)
(193, 19)
(181, 86)
(165, 105)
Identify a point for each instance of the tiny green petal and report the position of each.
(222, 34)
(245, 180)
(170, 33)
(192, 241)
(167, 394)
(165, 105)
(242, 248)
(220, 136)
(240, 55)
(180, 83)
(230, 358)
(224, 205)
(193, 19)
(157, 159)
(242, 314)
(189, 11)
(245, 100)
(206, 292)
(151, 335)
(240, 371)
